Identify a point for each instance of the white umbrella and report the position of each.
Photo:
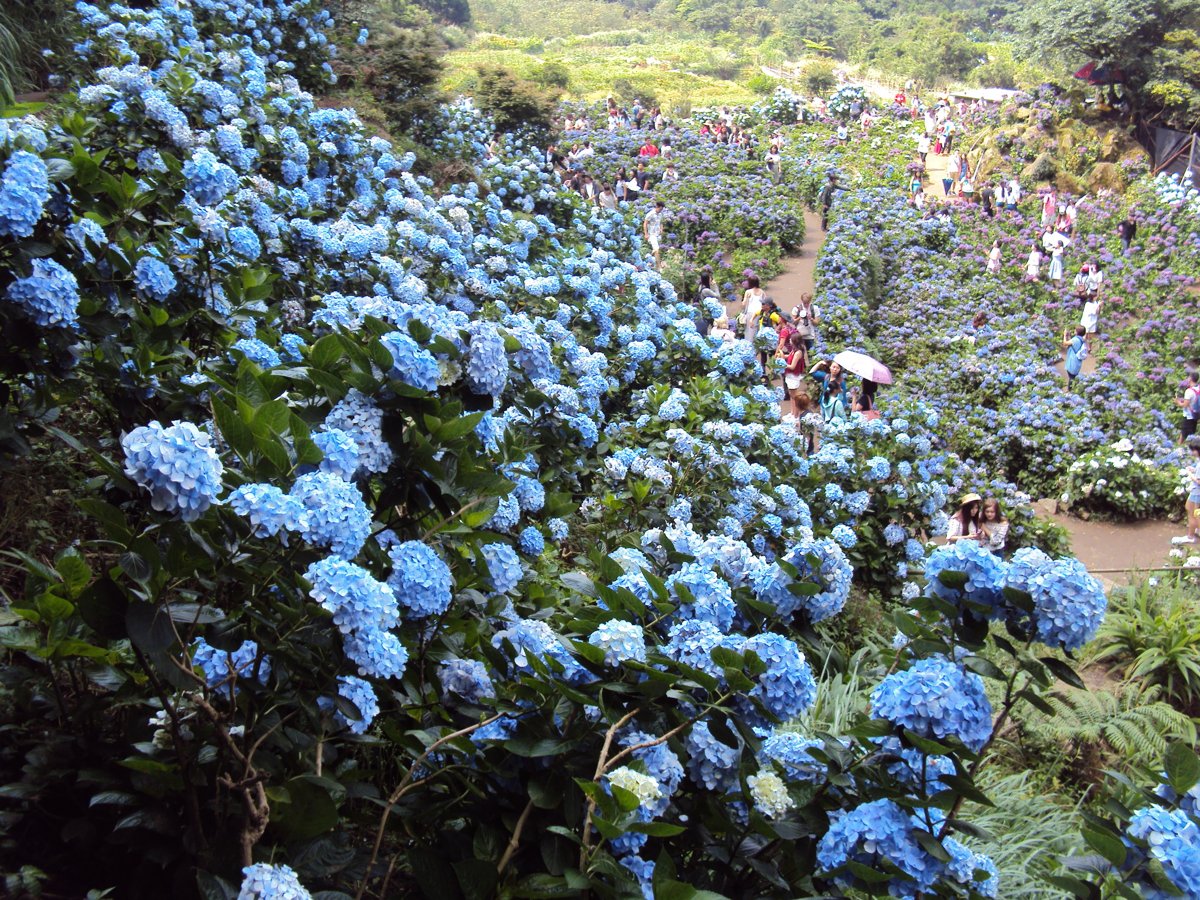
(864, 366)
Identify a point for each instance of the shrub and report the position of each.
(1116, 482)
(402, 76)
(819, 77)
(512, 102)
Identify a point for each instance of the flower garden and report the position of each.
(421, 545)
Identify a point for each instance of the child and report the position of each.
(993, 263)
(793, 371)
(1090, 319)
(808, 417)
(1077, 352)
(1033, 267)
(1192, 473)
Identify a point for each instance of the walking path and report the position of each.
(1101, 546)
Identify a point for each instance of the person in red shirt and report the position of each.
(648, 149)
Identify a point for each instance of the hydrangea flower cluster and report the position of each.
(222, 669)
(421, 580)
(619, 641)
(936, 699)
(645, 788)
(263, 881)
(362, 696)
(177, 465)
(1174, 841)
(770, 795)
(49, 295)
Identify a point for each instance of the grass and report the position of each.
(675, 71)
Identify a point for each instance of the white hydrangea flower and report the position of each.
(770, 795)
(645, 788)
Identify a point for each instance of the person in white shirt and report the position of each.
(923, 145)
(652, 231)
(993, 526)
(1095, 280)
(1014, 192)
(1090, 320)
(607, 198)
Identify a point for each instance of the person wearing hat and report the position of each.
(964, 524)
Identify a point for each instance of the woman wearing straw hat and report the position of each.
(964, 524)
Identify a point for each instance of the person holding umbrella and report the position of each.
(872, 372)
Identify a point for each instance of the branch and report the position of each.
(511, 849)
(406, 784)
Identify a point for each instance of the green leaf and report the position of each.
(1106, 844)
(1183, 767)
(103, 607)
(233, 429)
(1062, 672)
(306, 811)
(657, 829)
(953, 580)
(116, 526)
(932, 845)
(149, 627)
(74, 571)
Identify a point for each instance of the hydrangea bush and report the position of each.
(466, 559)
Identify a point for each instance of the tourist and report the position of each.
(988, 198)
(720, 329)
(1190, 403)
(806, 316)
(808, 418)
(993, 526)
(772, 160)
(620, 185)
(833, 400)
(752, 306)
(1056, 264)
(1033, 268)
(966, 188)
(1049, 205)
(670, 176)
(1193, 483)
(1014, 193)
(1076, 348)
(953, 171)
(862, 400)
(1095, 280)
(993, 260)
(608, 197)
(964, 524)
(795, 365)
(1079, 285)
(648, 149)
(923, 147)
(827, 192)
(1126, 229)
(652, 230)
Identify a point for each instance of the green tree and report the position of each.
(402, 76)
(1131, 35)
(512, 101)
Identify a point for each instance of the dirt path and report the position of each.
(1112, 552)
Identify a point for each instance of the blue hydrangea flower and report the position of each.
(177, 465)
(222, 669)
(878, 468)
(362, 695)
(936, 699)
(856, 503)
(244, 242)
(263, 881)
(337, 516)
(844, 535)
(420, 579)
(643, 871)
(530, 494)
(531, 541)
(787, 687)
(153, 278)
(269, 509)
(352, 595)
(24, 190)
(258, 352)
(619, 641)
(1174, 840)
(963, 865)
(985, 573)
(468, 678)
(413, 364)
(894, 533)
(790, 749)
(531, 637)
(503, 565)
(711, 597)
(772, 584)
(487, 361)
(559, 529)
(872, 833)
(660, 763)
(376, 653)
(340, 452)
(49, 295)
(208, 179)
(1069, 604)
(713, 765)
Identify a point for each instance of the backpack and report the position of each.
(1193, 407)
(804, 326)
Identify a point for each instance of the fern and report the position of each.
(1155, 633)
(1135, 724)
(1030, 831)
